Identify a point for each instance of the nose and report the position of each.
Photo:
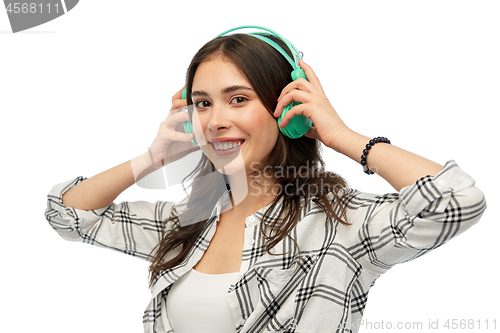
(219, 119)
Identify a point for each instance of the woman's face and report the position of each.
(237, 128)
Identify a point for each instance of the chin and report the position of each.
(234, 168)
(228, 164)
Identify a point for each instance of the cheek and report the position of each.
(264, 123)
(265, 132)
(270, 126)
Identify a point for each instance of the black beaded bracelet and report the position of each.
(367, 149)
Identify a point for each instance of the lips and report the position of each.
(226, 146)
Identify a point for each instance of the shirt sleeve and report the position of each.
(394, 228)
(132, 228)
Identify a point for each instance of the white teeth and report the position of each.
(226, 145)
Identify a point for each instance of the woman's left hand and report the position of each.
(327, 125)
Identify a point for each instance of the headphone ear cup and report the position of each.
(297, 126)
(188, 128)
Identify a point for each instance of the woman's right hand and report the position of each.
(171, 142)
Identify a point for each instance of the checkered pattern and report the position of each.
(323, 288)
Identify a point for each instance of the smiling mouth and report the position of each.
(226, 145)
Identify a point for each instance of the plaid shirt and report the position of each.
(325, 288)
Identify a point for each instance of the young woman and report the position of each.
(267, 239)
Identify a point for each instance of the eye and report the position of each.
(202, 104)
(238, 100)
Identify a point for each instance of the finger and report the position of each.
(311, 76)
(296, 110)
(178, 95)
(299, 84)
(180, 136)
(172, 120)
(293, 96)
(178, 104)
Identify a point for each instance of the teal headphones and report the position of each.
(298, 125)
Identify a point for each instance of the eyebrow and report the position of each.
(235, 88)
(227, 90)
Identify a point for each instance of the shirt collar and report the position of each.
(221, 203)
(251, 219)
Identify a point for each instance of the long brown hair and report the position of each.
(268, 72)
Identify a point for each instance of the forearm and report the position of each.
(100, 190)
(397, 166)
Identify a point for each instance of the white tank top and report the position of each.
(197, 302)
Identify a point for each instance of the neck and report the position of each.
(248, 195)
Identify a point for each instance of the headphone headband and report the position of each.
(296, 54)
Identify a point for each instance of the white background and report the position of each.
(87, 91)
